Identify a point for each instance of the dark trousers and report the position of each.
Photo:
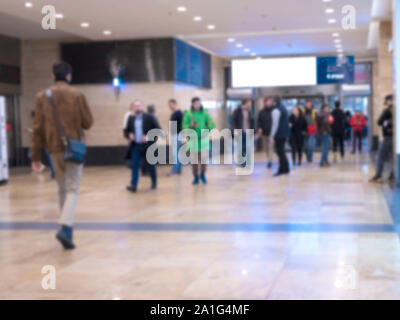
(201, 158)
(297, 144)
(385, 154)
(280, 151)
(338, 141)
(139, 157)
(357, 140)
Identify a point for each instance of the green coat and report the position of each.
(204, 121)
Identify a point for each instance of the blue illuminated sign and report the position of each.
(331, 70)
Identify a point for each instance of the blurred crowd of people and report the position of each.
(62, 114)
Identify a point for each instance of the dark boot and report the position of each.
(64, 235)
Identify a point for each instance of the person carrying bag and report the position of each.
(61, 115)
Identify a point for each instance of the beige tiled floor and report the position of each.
(204, 264)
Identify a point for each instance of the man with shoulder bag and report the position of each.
(62, 114)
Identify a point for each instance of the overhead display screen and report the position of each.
(335, 70)
(289, 72)
(279, 72)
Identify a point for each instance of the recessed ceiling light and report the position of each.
(181, 9)
(331, 21)
(59, 16)
(253, 54)
(85, 24)
(246, 50)
(239, 45)
(197, 18)
(211, 27)
(107, 32)
(335, 34)
(28, 4)
(338, 45)
(231, 40)
(329, 10)
(337, 41)
(326, 0)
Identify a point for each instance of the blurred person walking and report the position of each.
(61, 109)
(264, 126)
(242, 119)
(311, 117)
(198, 119)
(338, 131)
(358, 123)
(298, 131)
(139, 125)
(324, 121)
(177, 118)
(280, 132)
(385, 153)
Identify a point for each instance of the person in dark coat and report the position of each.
(264, 126)
(385, 153)
(338, 130)
(280, 131)
(324, 122)
(242, 119)
(298, 131)
(139, 125)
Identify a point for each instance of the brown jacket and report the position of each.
(74, 114)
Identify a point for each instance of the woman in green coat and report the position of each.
(198, 119)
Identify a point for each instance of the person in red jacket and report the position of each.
(358, 123)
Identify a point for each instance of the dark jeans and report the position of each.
(138, 156)
(338, 141)
(243, 156)
(357, 140)
(280, 151)
(325, 145)
(297, 143)
(310, 146)
(385, 154)
(201, 165)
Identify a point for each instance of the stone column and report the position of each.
(384, 72)
(396, 86)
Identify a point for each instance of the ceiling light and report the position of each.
(253, 54)
(329, 10)
(239, 45)
(231, 40)
(246, 50)
(85, 24)
(59, 16)
(28, 4)
(337, 40)
(107, 32)
(331, 21)
(338, 45)
(335, 34)
(211, 27)
(181, 9)
(197, 18)
(326, 0)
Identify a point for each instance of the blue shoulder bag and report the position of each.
(74, 150)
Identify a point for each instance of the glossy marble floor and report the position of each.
(317, 234)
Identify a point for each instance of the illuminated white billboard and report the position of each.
(279, 72)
